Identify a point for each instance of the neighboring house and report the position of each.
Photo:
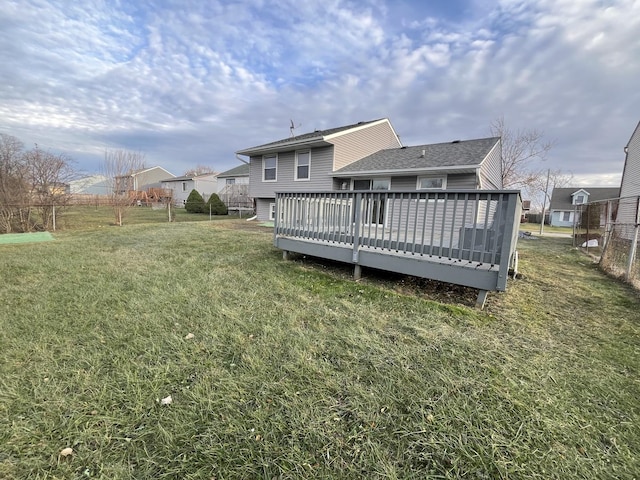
(630, 185)
(566, 203)
(627, 216)
(89, 185)
(233, 188)
(141, 180)
(526, 208)
(364, 156)
(181, 187)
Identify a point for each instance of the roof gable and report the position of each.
(561, 198)
(315, 138)
(636, 131)
(461, 155)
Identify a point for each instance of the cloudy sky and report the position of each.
(190, 82)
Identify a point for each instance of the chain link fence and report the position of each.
(610, 229)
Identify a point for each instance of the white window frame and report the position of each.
(580, 199)
(264, 158)
(443, 178)
(184, 186)
(566, 214)
(272, 211)
(308, 177)
(230, 181)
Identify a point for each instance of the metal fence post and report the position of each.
(634, 242)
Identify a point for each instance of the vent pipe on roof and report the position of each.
(424, 152)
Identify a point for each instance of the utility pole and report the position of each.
(544, 202)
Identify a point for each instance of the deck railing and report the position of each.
(468, 227)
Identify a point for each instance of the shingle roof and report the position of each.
(561, 197)
(239, 171)
(306, 137)
(459, 153)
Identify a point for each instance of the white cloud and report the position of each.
(192, 84)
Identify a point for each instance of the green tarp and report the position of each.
(25, 237)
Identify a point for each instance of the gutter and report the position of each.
(414, 171)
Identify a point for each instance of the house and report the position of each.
(468, 164)
(526, 208)
(233, 188)
(566, 203)
(367, 156)
(627, 215)
(89, 185)
(141, 180)
(630, 185)
(181, 187)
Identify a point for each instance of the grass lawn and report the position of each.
(292, 370)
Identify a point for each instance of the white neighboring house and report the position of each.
(565, 206)
(233, 188)
(90, 185)
(181, 187)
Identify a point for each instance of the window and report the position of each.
(431, 183)
(272, 211)
(375, 206)
(184, 186)
(362, 184)
(375, 184)
(579, 199)
(380, 184)
(566, 216)
(231, 181)
(269, 167)
(303, 162)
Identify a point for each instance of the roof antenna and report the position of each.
(293, 127)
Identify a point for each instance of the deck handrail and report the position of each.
(471, 227)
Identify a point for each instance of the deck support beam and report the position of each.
(482, 298)
(285, 254)
(357, 272)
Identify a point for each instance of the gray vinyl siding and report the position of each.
(630, 186)
(463, 181)
(491, 169)
(355, 145)
(319, 178)
(153, 177)
(262, 207)
(404, 183)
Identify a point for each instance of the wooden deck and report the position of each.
(465, 237)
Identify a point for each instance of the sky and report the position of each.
(190, 82)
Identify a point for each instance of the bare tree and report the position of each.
(49, 175)
(31, 182)
(119, 167)
(540, 192)
(13, 181)
(199, 170)
(519, 149)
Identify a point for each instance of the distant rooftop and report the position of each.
(239, 171)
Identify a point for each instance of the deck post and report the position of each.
(285, 254)
(357, 272)
(482, 298)
(357, 220)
